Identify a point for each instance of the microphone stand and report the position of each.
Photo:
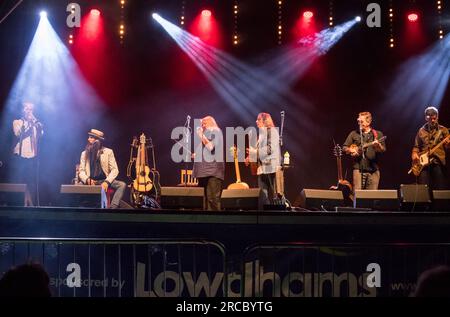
(363, 156)
(187, 135)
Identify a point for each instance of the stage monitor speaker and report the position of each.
(319, 199)
(242, 199)
(441, 200)
(415, 197)
(182, 197)
(80, 196)
(12, 194)
(381, 199)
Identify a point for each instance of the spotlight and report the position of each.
(206, 13)
(155, 15)
(308, 14)
(358, 19)
(43, 14)
(413, 17)
(95, 12)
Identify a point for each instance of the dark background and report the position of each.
(150, 85)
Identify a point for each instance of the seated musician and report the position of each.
(98, 166)
(365, 146)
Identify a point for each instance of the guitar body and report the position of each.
(142, 183)
(424, 158)
(240, 185)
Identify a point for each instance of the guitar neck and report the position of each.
(439, 145)
(238, 173)
(339, 167)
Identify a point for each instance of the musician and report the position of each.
(268, 155)
(428, 136)
(365, 146)
(210, 174)
(27, 131)
(98, 166)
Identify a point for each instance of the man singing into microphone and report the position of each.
(365, 146)
(27, 131)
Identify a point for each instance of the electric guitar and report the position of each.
(366, 145)
(342, 184)
(142, 183)
(239, 184)
(425, 158)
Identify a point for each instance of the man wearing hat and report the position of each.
(98, 166)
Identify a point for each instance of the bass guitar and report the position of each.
(425, 158)
(239, 184)
(342, 184)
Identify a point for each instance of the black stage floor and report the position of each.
(248, 226)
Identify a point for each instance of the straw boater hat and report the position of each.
(97, 134)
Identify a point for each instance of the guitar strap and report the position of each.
(375, 134)
(437, 137)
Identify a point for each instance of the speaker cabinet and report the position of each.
(319, 199)
(377, 199)
(12, 194)
(81, 196)
(182, 197)
(415, 197)
(441, 200)
(242, 199)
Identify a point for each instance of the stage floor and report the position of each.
(249, 226)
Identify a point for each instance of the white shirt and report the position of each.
(26, 134)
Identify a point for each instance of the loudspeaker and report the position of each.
(415, 197)
(381, 199)
(80, 196)
(242, 199)
(319, 199)
(12, 194)
(441, 200)
(182, 197)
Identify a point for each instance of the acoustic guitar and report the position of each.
(239, 184)
(425, 158)
(342, 184)
(142, 183)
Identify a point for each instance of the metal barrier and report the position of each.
(123, 268)
(337, 270)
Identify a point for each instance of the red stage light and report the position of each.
(95, 12)
(413, 17)
(308, 14)
(206, 13)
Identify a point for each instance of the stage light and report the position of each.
(413, 17)
(155, 16)
(95, 12)
(358, 19)
(43, 14)
(308, 14)
(206, 13)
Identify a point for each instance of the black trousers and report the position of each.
(267, 183)
(25, 171)
(435, 176)
(213, 192)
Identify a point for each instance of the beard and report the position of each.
(92, 150)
